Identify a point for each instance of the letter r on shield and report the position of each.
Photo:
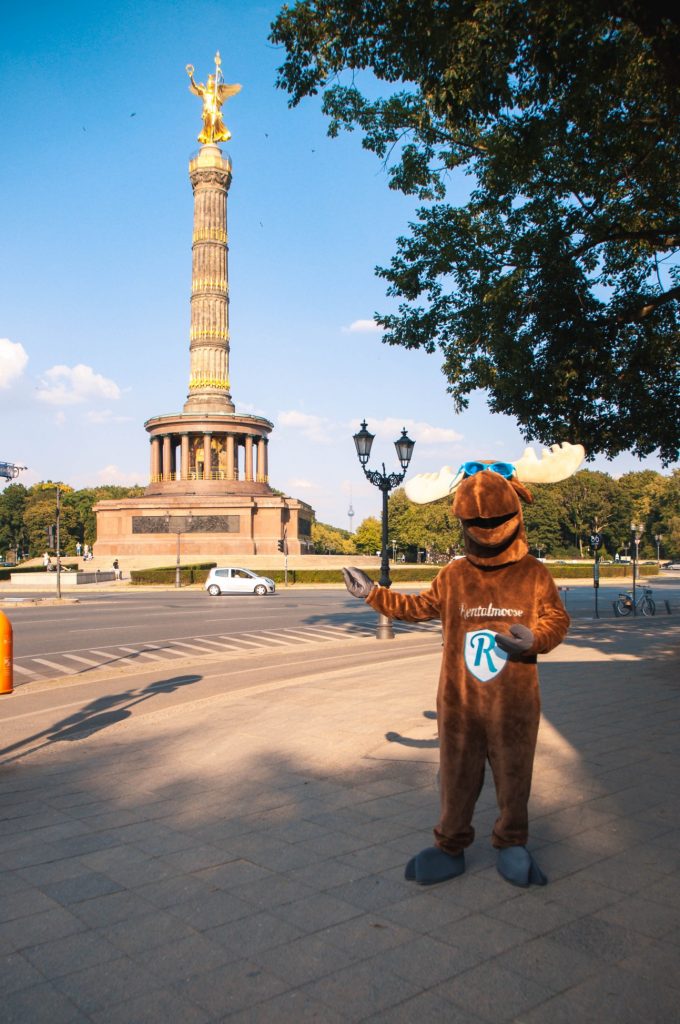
(483, 658)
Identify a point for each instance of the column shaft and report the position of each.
(230, 457)
(167, 458)
(207, 460)
(155, 458)
(249, 457)
(184, 457)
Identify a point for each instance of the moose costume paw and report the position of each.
(357, 582)
(432, 865)
(518, 641)
(516, 865)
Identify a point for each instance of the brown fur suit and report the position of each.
(497, 585)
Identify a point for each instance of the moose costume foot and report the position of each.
(516, 865)
(432, 865)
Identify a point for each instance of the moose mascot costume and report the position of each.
(499, 609)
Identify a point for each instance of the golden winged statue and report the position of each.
(213, 93)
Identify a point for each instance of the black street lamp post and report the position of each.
(637, 530)
(386, 482)
(178, 525)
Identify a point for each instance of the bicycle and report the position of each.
(644, 605)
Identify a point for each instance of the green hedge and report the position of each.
(400, 574)
(197, 573)
(7, 571)
(572, 572)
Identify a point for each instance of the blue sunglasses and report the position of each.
(505, 469)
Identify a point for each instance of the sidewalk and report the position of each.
(240, 856)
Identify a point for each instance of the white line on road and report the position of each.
(141, 654)
(192, 647)
(84, 661)
(25, 671)
(50, 664)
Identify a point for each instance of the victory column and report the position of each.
(209, 464)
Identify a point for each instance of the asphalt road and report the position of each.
(133, 628)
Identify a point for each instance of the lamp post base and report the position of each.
(384, 629)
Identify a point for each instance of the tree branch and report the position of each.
(660, 239)
(652, 304)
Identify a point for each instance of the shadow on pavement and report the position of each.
(97, 715)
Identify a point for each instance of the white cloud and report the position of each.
(315, 428)
(105, 416)
(303, 485)
(13, 360)
(70, 385)
(114, 475)
(363, 327)
(417, 430)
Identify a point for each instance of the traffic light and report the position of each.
(280, 545)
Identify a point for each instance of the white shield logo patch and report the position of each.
(483, 658)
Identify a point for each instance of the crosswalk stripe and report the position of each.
(241, 640)
(83, 661)
(141, 654)
(289, 635)
(268, 638)
(24, 671)
(50, 664)
(315, 635)
(192, 647)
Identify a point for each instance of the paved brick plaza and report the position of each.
(240, 857)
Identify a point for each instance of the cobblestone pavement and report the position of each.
(240, 857)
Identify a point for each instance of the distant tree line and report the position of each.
(27, 512)
(559, 522)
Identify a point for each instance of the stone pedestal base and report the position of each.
(208, 523)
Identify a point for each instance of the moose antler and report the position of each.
(426, 487)
(561, 461)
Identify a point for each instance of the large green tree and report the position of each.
(13, 533)
(433, 526)
(332, 540)
(555, 287)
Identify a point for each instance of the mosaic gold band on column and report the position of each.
(209, 382)
(210, 235)
(200, 284)
(208, 332)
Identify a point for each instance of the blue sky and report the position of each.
(95, 264)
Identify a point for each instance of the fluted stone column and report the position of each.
(155, 458)
(230, 457)
(265, 464)
(166, 468)
(249, 457)
(184, 457)
(261, 469)
(209, 387)
(207, 458)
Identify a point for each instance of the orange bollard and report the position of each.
(6, 661)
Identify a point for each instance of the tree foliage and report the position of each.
(433, 527)
(331, 540)
(555, 287)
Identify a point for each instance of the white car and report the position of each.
(238, 581)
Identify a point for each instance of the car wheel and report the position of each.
(260, 590)
(214, 590)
